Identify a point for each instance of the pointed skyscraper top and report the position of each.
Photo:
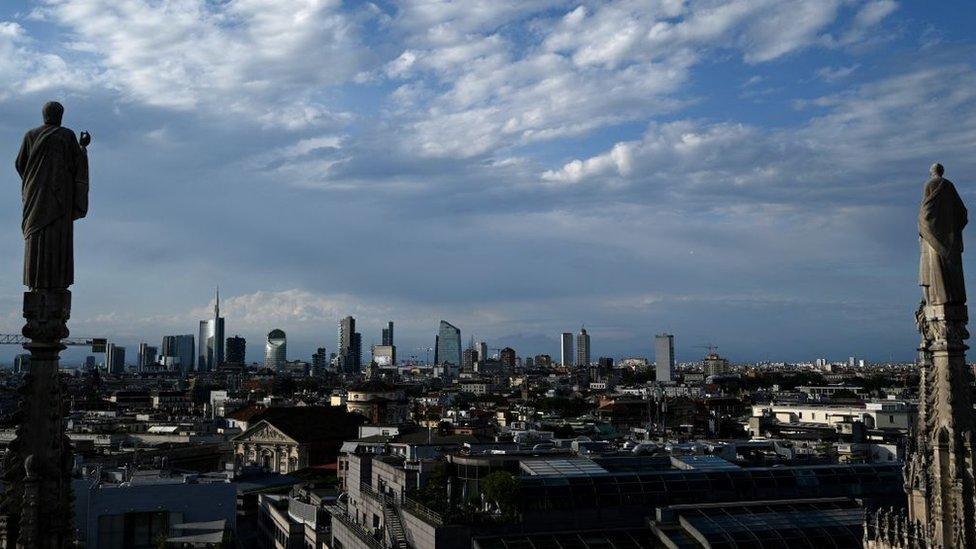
(217, 303)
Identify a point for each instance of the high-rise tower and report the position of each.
(448, 344)
(566, 356)
(664, 357)
(275, 350)
(582, 349)
(211, 351)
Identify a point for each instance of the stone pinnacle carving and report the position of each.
(36, 509)
(940, 467)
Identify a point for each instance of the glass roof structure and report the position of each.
(663, 488)
(795, 524)
(641, 538)
(566, 466)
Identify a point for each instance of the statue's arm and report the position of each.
(81, 182)
(21, 162)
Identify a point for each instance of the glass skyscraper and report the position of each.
(211, 352)
(448, 345)
(275, 350)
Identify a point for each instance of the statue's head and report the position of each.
(52, 112)
(937, 169)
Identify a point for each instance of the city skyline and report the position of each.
(516, 216)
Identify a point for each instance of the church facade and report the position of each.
(263, 445)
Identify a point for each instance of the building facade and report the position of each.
(276, 350)
(448, 349)
(582, 349)
(178, 352)
(664, 357)
(350, 346)
(567, 358)
(211, 350)
(236, 350)
(115, 358)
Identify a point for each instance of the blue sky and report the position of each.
(743, 173)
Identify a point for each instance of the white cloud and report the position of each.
(25, 69)
(486, 87)
(246, 56)
(834, 74)
(865, 140)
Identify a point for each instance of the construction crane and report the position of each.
(97, 344)
(710, 346)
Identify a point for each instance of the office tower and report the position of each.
(468, 358)
(115, 359)
(211, 353)
(582, 349)
(389, 347)
(275, 350)
(715, 365)
(664, 357)
(236, 350)
(320, 361)
(350, 346)
(482, 351)
(178, 352)
(22, 363)
(448, 345)
(566, 356)
(507, 358)
(89, 363)
(147, 357)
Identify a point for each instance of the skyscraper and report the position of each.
(147, 356)
(388, 334)
(448, 345)
(320, 361)
(350, 345)
(582, 349)
(22, 363)
(482, 351)
(566, 356)
(664, 357)
(275, 350)
(211, 353)
(115, 358)
(507, 358)
(178, 352)
(236, 350)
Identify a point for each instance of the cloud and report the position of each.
(870, 139)
(834, 74)
(249, 57)
(26, 69)
(526, 77)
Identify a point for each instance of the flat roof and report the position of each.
(562, 466)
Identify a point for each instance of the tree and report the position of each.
(500, 490)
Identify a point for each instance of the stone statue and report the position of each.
(35, 507)
(53, 166)
(941, 220)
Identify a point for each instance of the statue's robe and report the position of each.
(941, 220)
(54, 172)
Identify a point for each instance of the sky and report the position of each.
(741, 173)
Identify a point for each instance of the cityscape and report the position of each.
(487, 274)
